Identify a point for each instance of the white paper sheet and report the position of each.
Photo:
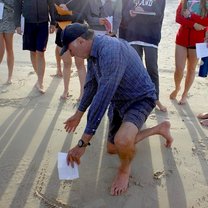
(22, 24)
(66, 172)
(1, 10)
(109, 25)
(201, 50)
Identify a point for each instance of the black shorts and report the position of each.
(137, 114)
(58, 37)
(191, 47)
(35, 36)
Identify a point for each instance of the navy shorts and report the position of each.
(136, 113)
(58, 37)
(35, 36)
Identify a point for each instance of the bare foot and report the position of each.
(58, 75)
(204, 122)
(120, 183)
(203, 116)
(40, 88)
(8, 82)
(160, 106)
(65, 96)
(174, 94)
(164, 130)
(182, 101)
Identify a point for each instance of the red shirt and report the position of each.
(187, 36)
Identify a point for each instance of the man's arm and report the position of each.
(112, 68)
(51, 12)
(17, 12)
(159, 8)
(91, 20)
(90, 88)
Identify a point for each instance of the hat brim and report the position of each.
(63, 50)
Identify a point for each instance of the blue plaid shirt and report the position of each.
(116, 76)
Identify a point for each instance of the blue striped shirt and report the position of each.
(116, 76)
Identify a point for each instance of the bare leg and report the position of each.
(67, 60)
(58, 63)
(40, 70)
(190, 75)
(161, 106)
(10, 55)
(81, 73)
(180, 61)
(125, 148)
(33, 58)
(162, 129)
(125, 140)
(2, 47)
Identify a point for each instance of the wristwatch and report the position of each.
(81, 143)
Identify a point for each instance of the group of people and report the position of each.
(116, 78)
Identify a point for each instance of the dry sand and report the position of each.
(32, 133)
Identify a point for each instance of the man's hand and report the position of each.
(102, 21)
(72, 122)
(64, 7)
(74, 155)
(52, 29)
(19, 31)
(132, 13)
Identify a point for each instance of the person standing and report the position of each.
(119, 82)
(193, 19)
(35, 37)
(97, 12)
(71, 11)
(7, 29)
(141, 27)
(204, 116)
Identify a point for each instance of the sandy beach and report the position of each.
(32, 133)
